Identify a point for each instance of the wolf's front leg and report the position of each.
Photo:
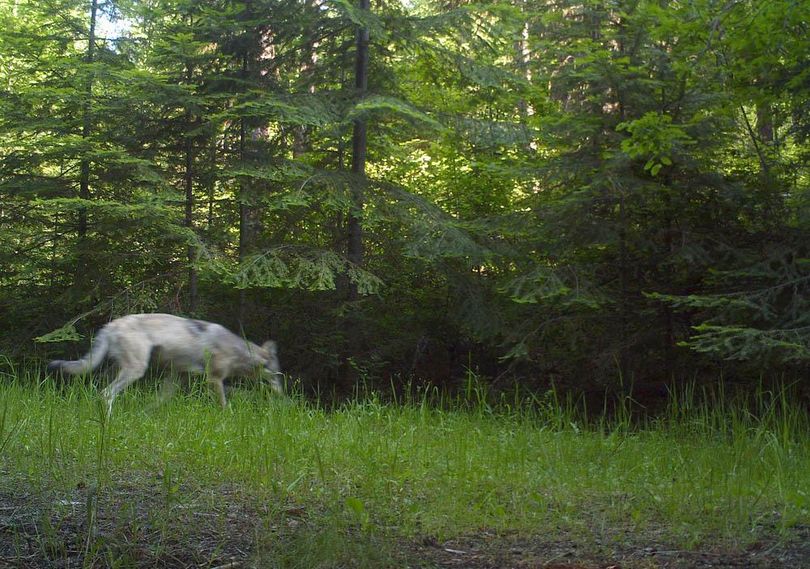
(276, 384)
(218, 386)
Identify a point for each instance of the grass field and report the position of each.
(275, 482)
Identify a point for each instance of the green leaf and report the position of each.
(66, 333)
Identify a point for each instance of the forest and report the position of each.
(538, 272)
(574, 192)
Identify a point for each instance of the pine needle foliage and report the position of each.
(592, 191)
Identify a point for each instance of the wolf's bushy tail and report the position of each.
(93, 358)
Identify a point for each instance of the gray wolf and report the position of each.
(182, 343)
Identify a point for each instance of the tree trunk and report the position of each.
(82, 264)
(244, 224)
(354, 245)
(84, 169)
(765, 123)
(244, 210)
(522, 52)
(212, 164)
(188, 181)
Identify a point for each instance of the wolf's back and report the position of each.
(93, 358)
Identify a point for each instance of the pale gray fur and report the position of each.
(182, 343)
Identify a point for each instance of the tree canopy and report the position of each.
(571, 191)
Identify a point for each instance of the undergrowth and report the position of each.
(710, 468)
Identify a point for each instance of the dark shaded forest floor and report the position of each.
(137, 526)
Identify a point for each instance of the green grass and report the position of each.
(704, 472)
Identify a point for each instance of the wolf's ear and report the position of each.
(270, 347)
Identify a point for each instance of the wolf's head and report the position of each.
(271, 369)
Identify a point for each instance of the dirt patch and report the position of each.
(158, 522)
(560, 552)
(143, 523)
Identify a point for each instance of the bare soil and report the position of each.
(162, 523)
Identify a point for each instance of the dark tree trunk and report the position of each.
(83, 262)
(84, 169)
(244, 224)
(354, 245)
(188, 182)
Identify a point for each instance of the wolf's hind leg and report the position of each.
(124, 378)
(168, 388)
